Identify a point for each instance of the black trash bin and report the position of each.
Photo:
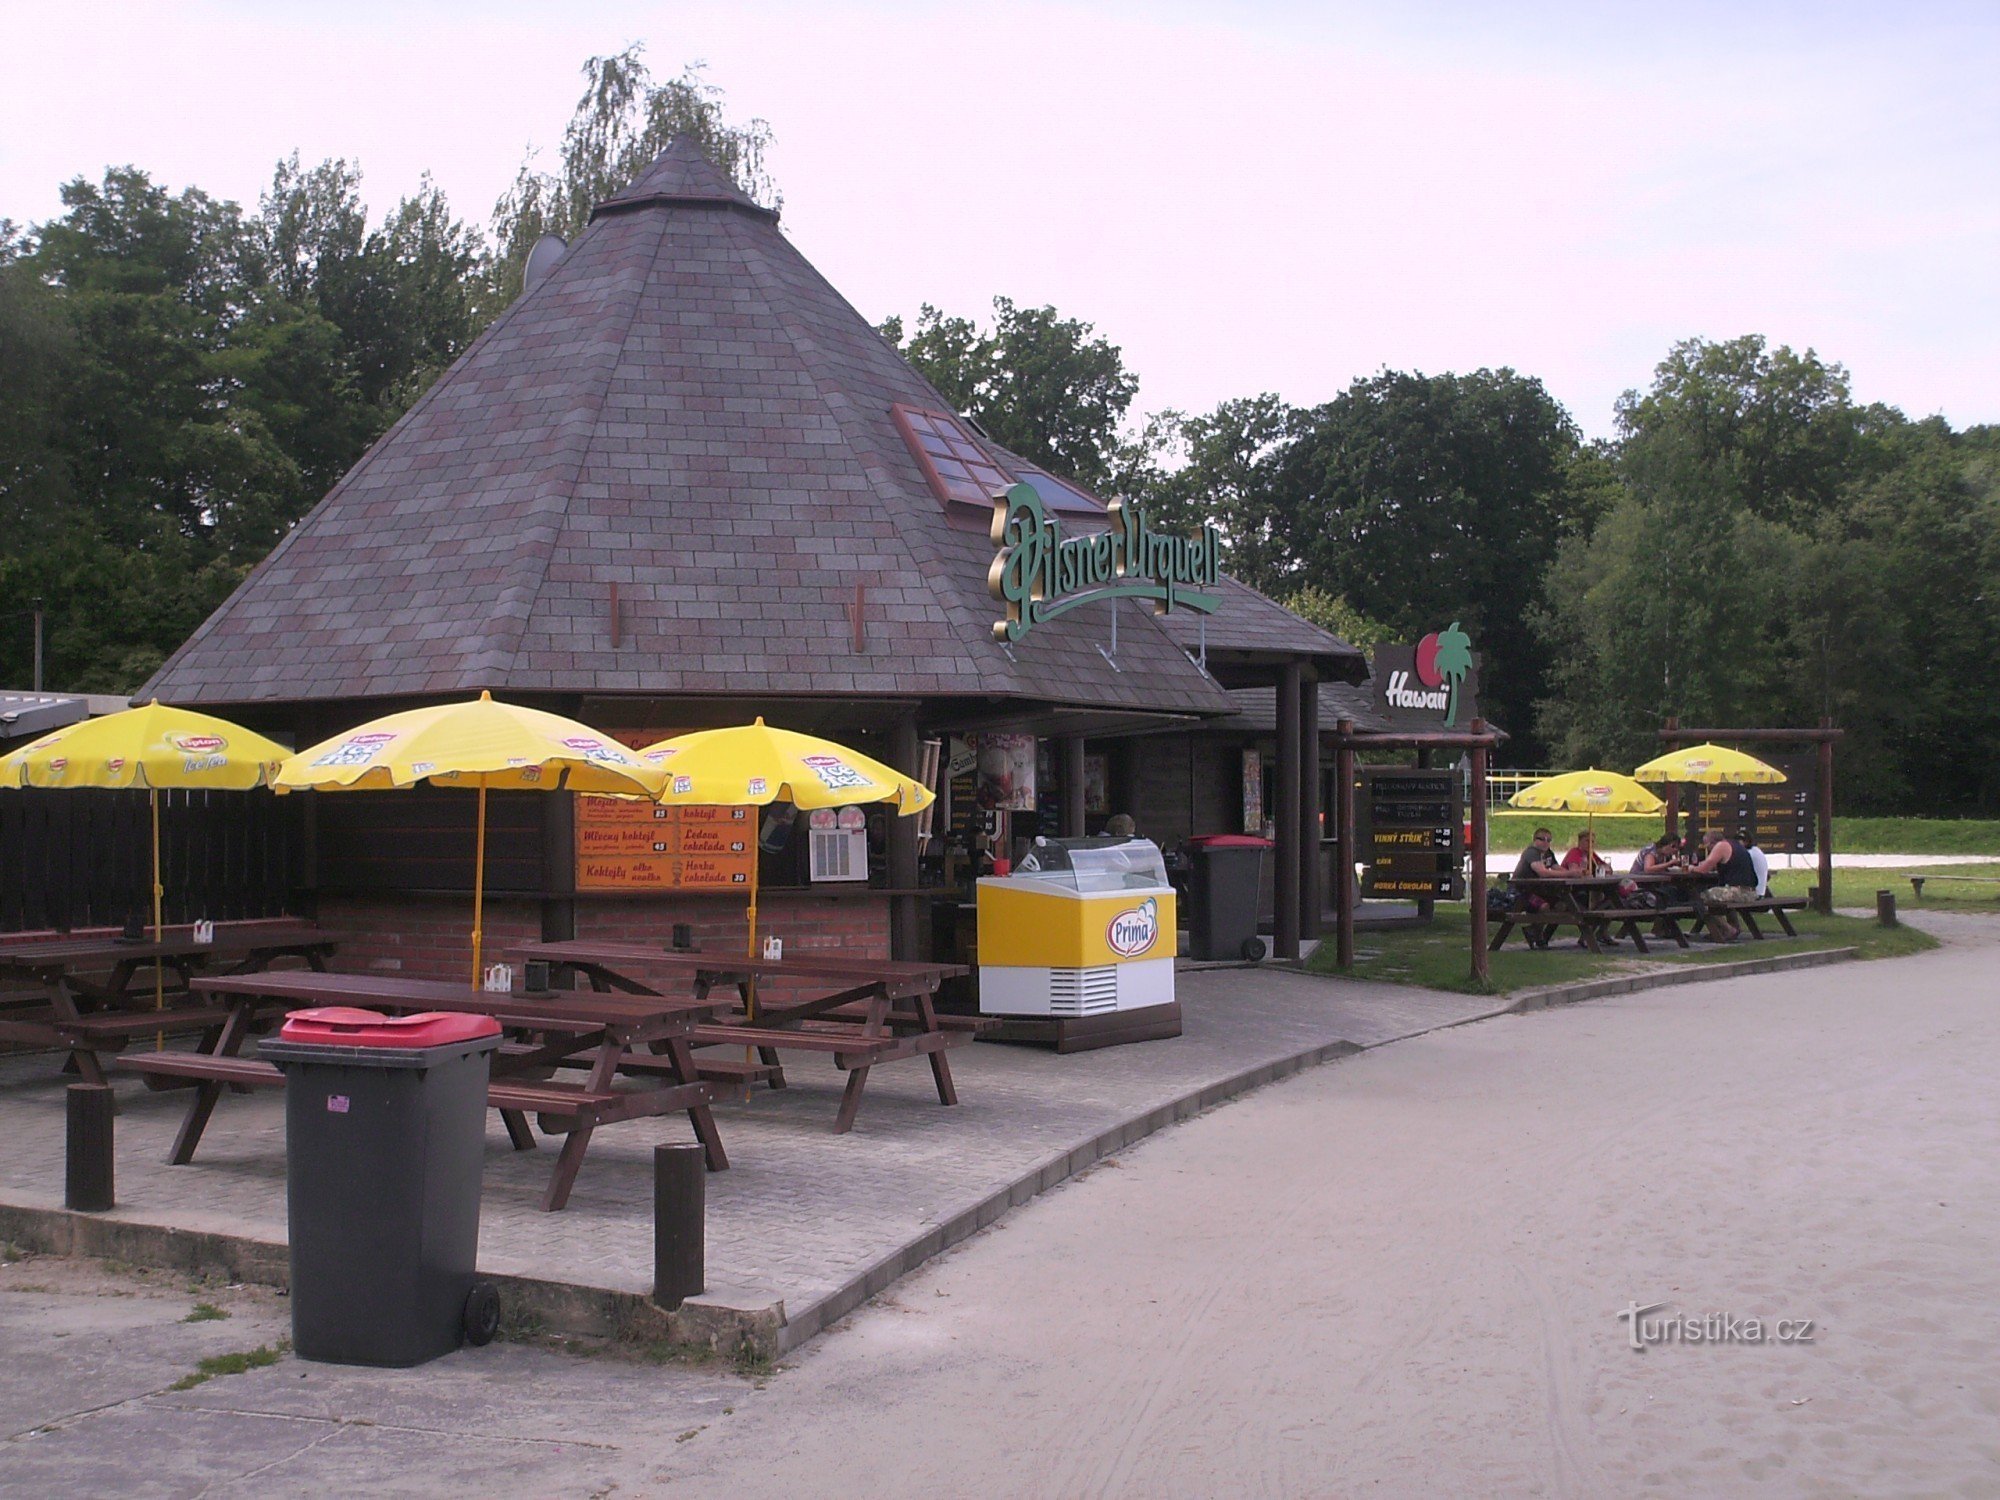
(1224, 877)
(385, 1142)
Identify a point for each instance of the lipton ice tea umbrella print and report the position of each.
(481, 745)
(154, 747)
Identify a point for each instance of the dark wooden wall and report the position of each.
(81, 858)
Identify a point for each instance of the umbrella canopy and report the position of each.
(1591, 791)
(475, 745)
(755, 764)
(478, 743)
(153, 746)
(1709, 765)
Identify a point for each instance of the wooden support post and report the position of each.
(1885, 908)
(1673, 791)
(907, 941)
(1343, 863)
(1824, 904)
(1312, 893)
(1286, 896)
(1072, 786)
(679, 1223)
(1481, 969)
(87, 1186)
(1426, 908)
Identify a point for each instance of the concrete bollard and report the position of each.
(87, 1185)
(1885, 908)
(680, 1227)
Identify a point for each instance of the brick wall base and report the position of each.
(430, 937)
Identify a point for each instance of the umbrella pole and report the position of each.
(751, 950)
(479, 884)
(159, 935)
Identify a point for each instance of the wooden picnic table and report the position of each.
(1589, 903)
(556, 1027)
(92, 994)
(870, 1010)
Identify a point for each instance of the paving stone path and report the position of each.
(802, 1213)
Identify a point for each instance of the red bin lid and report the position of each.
(1229, 841)
(345, 1026)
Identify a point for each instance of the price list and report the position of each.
(627, 844)
(1411, 835)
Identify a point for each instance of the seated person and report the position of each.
(1727, 862)
(1537, 859)
(1583, 859)
(1658, 857)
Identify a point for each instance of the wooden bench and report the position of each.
(1917, 881)
(1600, 922)
(1775, 906)
(165, 1070)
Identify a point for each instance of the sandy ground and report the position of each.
(1397, 1275)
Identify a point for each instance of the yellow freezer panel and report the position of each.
(1020, 925)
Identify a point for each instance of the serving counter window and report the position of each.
(1082, 927)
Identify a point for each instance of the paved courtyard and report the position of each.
(802, 1216)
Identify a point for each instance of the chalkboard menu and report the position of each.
(1779, 818)
(628, 844)
(1410, 827)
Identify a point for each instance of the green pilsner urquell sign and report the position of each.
(1039, 573)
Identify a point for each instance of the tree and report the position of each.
(1424, 499)
(621, 123)
(1775, 430)
(1331, 612)
(1042, 385)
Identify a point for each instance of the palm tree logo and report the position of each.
(1454, 662)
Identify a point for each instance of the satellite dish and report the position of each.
(549, 249)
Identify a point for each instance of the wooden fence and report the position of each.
(73, 859)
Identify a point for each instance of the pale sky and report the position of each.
(1244, 197)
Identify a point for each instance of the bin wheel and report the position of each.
(482, 1313)
(1253, 949)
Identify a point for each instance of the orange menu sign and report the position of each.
(625, 844)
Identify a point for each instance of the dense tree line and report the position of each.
(181, 379)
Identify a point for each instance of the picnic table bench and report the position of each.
(877, 1010)
(1917, 882)
(84, 995)
(552, 1028)
(1585, 903)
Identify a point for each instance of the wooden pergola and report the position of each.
(1823, 738)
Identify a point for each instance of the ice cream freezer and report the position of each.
(1081, 927)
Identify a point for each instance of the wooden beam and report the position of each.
(1481, 965)
(1343, 864)
(906, 940)
(1824, 903)
(1826, 733)
(1072, 785)
(1287, 815)
(1312, 894)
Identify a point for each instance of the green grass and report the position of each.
(205, 1312)
(1512, 830)
(1438, 956)
(232, 1364)
(1852, 888)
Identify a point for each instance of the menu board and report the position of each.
(629, 844)
(1410, 826)
(1779, 818)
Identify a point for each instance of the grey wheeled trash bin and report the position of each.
(385, 1141)
(1225, 874)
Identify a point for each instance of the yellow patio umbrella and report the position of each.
(156, 747)
(754, 765)
(1709, 765)
(478, 744)
(1589, 792)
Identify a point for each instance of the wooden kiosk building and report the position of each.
(681, 482)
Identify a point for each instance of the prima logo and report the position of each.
(1135, 929)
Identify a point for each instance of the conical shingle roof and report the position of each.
(685, 411)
